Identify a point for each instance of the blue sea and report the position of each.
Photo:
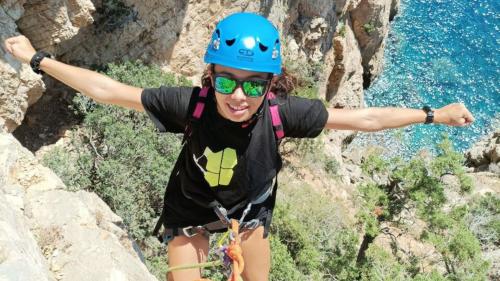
(440, 52)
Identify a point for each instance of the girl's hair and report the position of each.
(283, 84)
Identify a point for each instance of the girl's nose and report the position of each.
(238, 94)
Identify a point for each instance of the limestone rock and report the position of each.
(345, 82)
(49, 233)
(19, 86)
(48, 23)
(370, 21)
(20, 257)
(485, 154)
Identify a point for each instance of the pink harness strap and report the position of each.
(200, 105)
(275, 116)
(273, 109)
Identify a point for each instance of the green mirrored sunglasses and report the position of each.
(253, 87)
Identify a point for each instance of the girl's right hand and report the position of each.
(20, 47)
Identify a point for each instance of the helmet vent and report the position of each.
(262, 47)
(218, 32)
(230, 42)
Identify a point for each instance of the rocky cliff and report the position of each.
(485, 154)
(49, 233)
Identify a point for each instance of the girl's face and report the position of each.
(237, 106)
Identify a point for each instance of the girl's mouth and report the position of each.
(237, 110)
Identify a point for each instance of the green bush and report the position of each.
(283, 267)
(484, 220)
(416, 185)
(382, 266)
(316, 233)
(369, 27)
(118, 154)
(342, 30)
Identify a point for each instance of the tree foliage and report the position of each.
(416, 187)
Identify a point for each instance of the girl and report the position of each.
(229, 161)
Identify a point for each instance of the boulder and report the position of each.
(485, 154)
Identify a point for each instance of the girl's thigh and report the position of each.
(256, 254)
(184, 251)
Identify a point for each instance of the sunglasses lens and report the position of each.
(254, 88)
(224, 85)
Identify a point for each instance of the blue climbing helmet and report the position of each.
(245, 41)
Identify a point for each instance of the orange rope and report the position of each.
(235, 252)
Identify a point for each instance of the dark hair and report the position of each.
(283, 84)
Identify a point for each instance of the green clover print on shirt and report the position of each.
(219, 168)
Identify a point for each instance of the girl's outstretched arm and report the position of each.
(97, 86)
(375, 118)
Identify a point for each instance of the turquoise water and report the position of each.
(440, 52)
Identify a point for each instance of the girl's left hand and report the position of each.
(455, 114)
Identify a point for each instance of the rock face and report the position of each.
(370, 21)
(48, 23)
(49, 233)
(485, 154)
(19, 86)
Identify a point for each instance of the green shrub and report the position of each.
(432, 276)
(315, 232)
(416, 185)
(342, 30)
(382, 266)
(369, 27)
(483, 220)
(118, 154)
(283, 267)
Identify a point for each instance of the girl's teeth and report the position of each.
(236, 107)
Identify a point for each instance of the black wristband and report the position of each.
(36, 59)
(430, 114)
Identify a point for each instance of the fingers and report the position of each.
(466, 118)
(461, 122)
(9, 43)
(469, 118)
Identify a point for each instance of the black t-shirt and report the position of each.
(222, 160)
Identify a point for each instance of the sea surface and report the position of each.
(440, 52)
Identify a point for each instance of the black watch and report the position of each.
(430, 114)
(36, 59)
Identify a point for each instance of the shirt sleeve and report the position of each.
(167, 107)
(301, 117)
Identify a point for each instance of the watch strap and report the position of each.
(430, 114)
(37, 59)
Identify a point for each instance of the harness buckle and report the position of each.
(221, 212)
(190, 231)
(252, 224)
